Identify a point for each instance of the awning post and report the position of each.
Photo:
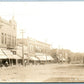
(12, 62)
(9, 61)
(16, 61)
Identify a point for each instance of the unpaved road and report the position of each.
(43, 73)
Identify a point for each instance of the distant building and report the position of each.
(35, 50)
(35, 46)
(7, 33)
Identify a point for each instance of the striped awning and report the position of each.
(33, 58)
(45, 57)
(49, 58)
(2, 55)
(8, 53)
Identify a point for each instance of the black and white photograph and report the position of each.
(42, 41)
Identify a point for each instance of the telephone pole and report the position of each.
(45, 50)
(22, 32)
(28, 48)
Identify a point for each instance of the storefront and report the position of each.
(3, 58)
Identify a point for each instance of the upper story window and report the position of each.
(31, 48)
(5, 39)
(2, 38)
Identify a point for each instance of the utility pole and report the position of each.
(22, 32)
(28, 48)
(45, 50)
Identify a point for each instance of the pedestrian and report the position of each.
(25, 62)
(6, 63)
(1, 63)
(69, 60)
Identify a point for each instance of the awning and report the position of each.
(2, 55)
(49, 58)
(17, 57)
(43, 58)
(8, 53)
(33, 58)
(63, 59)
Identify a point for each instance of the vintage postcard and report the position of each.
(42, 41)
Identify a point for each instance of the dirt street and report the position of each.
(43, 73)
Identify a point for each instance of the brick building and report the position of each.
(35, 46)
(7, 41)
(7, 33)
(36, 49)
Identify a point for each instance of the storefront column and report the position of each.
(12, 62)
(9, 61)
(16, 61)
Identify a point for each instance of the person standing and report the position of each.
(6, 63)
(69, 60)
(25, 62)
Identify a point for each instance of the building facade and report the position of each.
(7, 33)
(35, 47)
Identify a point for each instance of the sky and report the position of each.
(60, 24)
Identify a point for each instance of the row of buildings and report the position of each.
(34, 50)
(11, 47)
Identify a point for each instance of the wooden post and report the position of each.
(9, 61)
(22, 48)
(16, 62)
